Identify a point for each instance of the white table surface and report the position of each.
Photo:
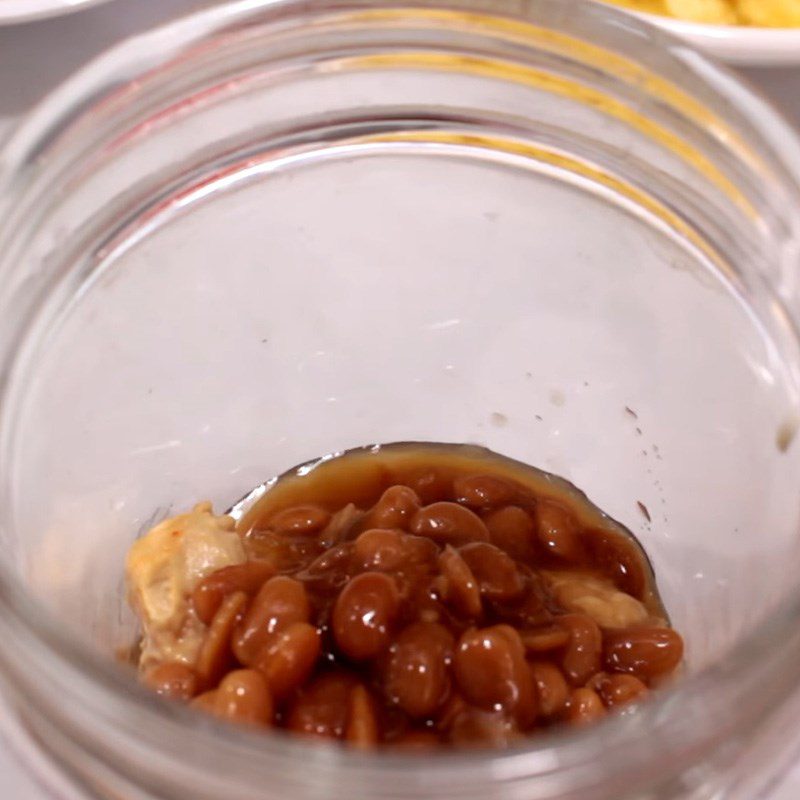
(36, 56)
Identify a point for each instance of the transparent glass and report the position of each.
(280, 229)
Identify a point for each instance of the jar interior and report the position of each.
(376, 248)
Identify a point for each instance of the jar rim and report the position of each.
(664, 719)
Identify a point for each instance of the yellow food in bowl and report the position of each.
(765, 13)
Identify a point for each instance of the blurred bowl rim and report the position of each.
(734, 44)
(17, 11)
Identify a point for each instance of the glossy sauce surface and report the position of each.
(422, 596)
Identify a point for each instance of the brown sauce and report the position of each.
(421, 596)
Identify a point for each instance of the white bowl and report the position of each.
(735, 44)
(14, 11)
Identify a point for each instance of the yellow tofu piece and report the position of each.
(770, 13)
(710, 12)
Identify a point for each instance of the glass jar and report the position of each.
(279, 229)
